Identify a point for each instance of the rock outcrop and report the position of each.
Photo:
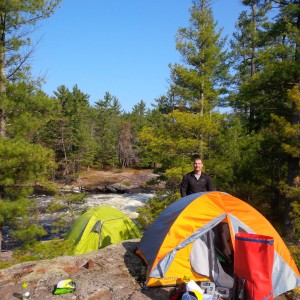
(119, 181)
(112, 273)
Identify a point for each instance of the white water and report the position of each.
(127, 203)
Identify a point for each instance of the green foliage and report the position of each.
(29, 110)
(252, 153)
(27, 234)
(294, 193)
(183, 134)
(21, 164)
(6, 264)
(55, 206)
(69, 132)
(107, 128)
(295, 252)
(18, 20)
(138, 116)
(12, 211)
(61, 225)
(72, 199)
(195, 82)
(43, 250)
(174, 177)
(153, 207)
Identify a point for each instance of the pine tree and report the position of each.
(69, 132)
(247, 44)
(107, 129)
(17, 19)
(274, 113)
(22, 164)
(189, 118)
(197, 82)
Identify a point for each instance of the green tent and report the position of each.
(100, 227)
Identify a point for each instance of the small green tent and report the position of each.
(100, 227)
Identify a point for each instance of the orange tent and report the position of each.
(172, 245)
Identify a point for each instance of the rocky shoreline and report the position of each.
(117, 181)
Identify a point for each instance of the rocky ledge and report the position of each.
(114, 272)
(111, 273)
(116, 181)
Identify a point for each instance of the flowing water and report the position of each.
(127, 203)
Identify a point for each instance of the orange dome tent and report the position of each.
(172, 245)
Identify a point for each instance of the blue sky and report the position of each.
(117, 46)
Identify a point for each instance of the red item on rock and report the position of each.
(253, 262)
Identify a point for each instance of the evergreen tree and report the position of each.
(289, 22)
(138, 116)
(197, 84)
(17, 19)
(28, 111)
(274, 113)
(107, 129)
(167, 103)
(22, 165)
(149, 155)
(196, 90)
(70, 130)
(247, 44)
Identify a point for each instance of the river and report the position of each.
(127, 203)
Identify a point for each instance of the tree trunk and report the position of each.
(293, 172)
(2, 79)
(1, 236)
(2, 123)
(253, 66)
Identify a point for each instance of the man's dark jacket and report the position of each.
(190, 184)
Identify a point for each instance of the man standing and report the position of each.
(196, 181)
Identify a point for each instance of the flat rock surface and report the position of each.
(112, 273)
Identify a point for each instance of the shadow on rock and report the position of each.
(137, 269)
(18, 296)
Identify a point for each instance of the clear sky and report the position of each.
(117, 46)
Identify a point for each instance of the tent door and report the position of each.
(203, 260)
(199, 258)
(98, 228)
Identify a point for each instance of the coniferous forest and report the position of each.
(233, 101)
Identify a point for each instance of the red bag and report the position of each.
(253, 261)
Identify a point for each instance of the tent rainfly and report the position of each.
(100, 227)
(172, 246)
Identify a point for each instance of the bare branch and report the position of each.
(281, 2)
